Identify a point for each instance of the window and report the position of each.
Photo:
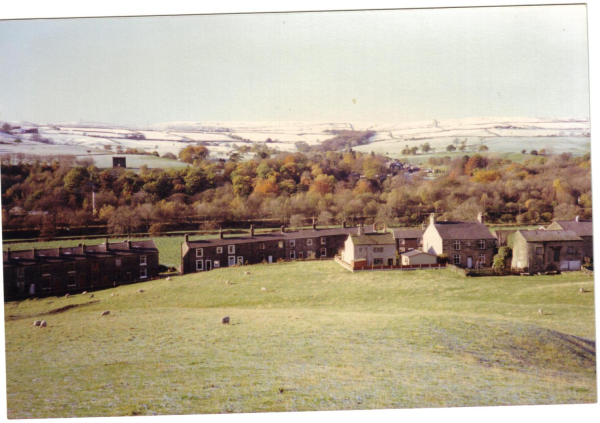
(142, 260)
(360, 249)
(21, 286)
(538, 251)
(216, 264)
(20, 272)
(71, 281)
(292, 242)
(96, 266)
(310, 254)
(261, 246)
(143, 273)
(557, 254)
(199, 252)
(481, 244)
(46, 283)
(323, 240)
(456, 245)
(219, 250)
(293, 254)
(378, 249)
(118, 262)
(301, 255)
(378, 261)
(231, 260)
(231, 249)
(199, 265)
(309, 242)
(70, 267)
(280, 244)
(457, 259)
(570, 250)
(468, 244)
(323, 252)
(482, 259)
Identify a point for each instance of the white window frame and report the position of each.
(378, 259)
(219, 250)
(481, 244)
(293, 254)
(231, 249)
(199, 265)
(482, 259)
(231, 260)
(216, 264)
(143, 273)
(292, 242)
(240, 260)
(323, 252)
(262, 246)
(47, 277)
(20, 272)
(456, 259)
(280, 244)
(199, 252)
(456, 245)
(309, 241)
(71, 273)
(323, 240)
(378, 250)
(143, 260)
(118, 262)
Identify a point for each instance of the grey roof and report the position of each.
(549, 236)
(98, 251)
(463, 230)
(581, 228)
(408, 233)
(375, 238)
(272, 236)
(412, 253)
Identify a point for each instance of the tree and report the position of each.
(6, 128)
(170, 156)
(325, 218)
(296, 220)
(75, 179)
(534, 152)
(523, 151)
(192, 153)
(107, 147)
(483, 148)
(451, 148)
(426, 147)
(18, 141)
(501, 259)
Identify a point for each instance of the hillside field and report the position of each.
(320, 338)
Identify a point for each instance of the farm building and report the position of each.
(413, 257)
(583, 228)
(208, 254)
(63, 270)
(544, 250)
(408, 239)
(375, 248)
(467, 244)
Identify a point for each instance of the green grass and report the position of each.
(321, 338)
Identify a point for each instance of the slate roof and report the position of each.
(581, 228)
(98, 251)
(408, 233)
(373, 239)
(463, 230)
(550, 236)
(271, 236)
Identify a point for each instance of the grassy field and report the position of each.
(320, 338)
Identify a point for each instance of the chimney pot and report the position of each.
(8, 253)
(83, 248)
(106, 246)
(220, 233)
(344, 224)
(314, 224)
(432, 219)
(60, 251)
(576, 218)
(129, 245)
(252, 231)
(361, 230)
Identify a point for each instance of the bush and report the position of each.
(443, 259)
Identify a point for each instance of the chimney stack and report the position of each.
(282, 229)
(576, 218)
(220, 233)
(106, 246)
(129, 245)
(8, 253)
(186, 238)
(432, 219)
(82, 248)
(252, 231)
(384, 228)
(480, 217)
(60, 251)
(361, 230)
(314, 224)
(344, 223)
(34, 252)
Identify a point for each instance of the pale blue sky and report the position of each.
(399, 66)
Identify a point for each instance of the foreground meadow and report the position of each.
(320, 338)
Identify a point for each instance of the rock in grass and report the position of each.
(37, 323)
(140, 290)
(246, 273)
(225, 320)
(264, 289)
(105, 313)
(43, 324)
(541, 311)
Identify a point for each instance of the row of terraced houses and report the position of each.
(563, 245)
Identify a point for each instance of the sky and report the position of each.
(359, 66)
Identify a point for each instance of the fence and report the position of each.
(357, 266)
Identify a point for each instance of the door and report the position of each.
(208, 265)
(32, 289)
(232, 260)
(240, 260)
(470, 262)
(270, 259)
